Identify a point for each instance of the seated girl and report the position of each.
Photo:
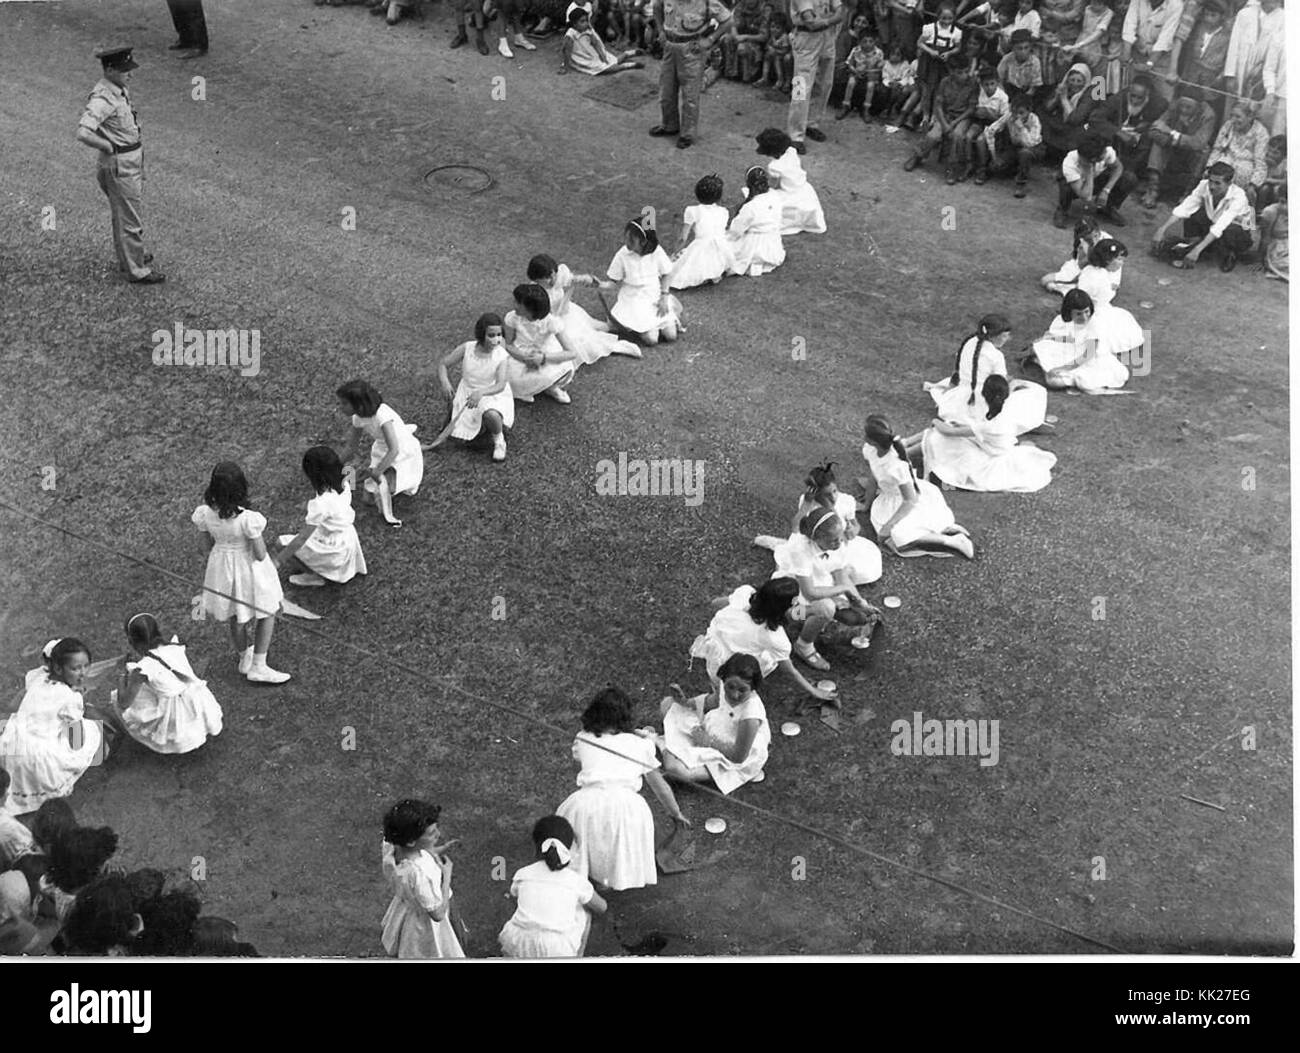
(1071, 355)
(1087, 232)
(542, 358)
(707, 259)
(956, 398)
(721, 737)
(327, 547)
(644, 309)
(755, 232)
(584, 51)
(984, 454)
(482, 400)
(589, 337)
(801, 208)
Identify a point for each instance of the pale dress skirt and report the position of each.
(43, 758)
(470, 423)
(173, 723)
(590, 343)
(409, 932)
(930, 514)
(408, 467)
(525, 941)
(1059, 353)
(801, 210)
(232, 572)
(333, 554)
(727, 775)
(525, 383)
(703, 261)
(961, 462)
(615, 835)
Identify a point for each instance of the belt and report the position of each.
(677, 38)
(125, 149)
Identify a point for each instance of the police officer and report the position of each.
(108, 125)
(690, 29)
(816, 25)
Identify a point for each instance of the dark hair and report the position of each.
(1278, 141)
(772, 142)
(577, 15)
(4, 782)
(1092, 145)
(489, 318)
(408, 819)
(169, 920)
(990, 325)
(1021, 100)
(1086, 225)
(101, 918)
(323, 469)
(1221, 169)
(818, 479)
(52, 820)
(535, 300)
(816, 521)
(62, 651)
(995, 391)
(1075, 300)
(227, 490)
(216, 938)
(364, 399)
(78, 855)
(649, 239)
(756, 181)
(541, 266)
(146, 885)
(544, 829)
(1105, 251)
(610, 711)
(772, 600)
(1143, 81)
(744, 666)
(708, 191)
(985, 71)
(1021, 36)
(143, 632)
(882, 437)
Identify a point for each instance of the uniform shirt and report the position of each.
(1152, 27)
(109, 113)
(1233, 207)
(689, 18)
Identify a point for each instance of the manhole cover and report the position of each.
(467, 178)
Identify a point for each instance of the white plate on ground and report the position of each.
(715, 825)
(860, 642)
(790, 728)
(826, 685)
(893, 601)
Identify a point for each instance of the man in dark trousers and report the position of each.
(690, 28)
(191, 28)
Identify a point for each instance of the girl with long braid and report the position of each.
(957, 398)
(910, 516)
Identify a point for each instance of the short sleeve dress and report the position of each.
(334, 550)
(173, 711)
(615, 842)
(859, 556)
(478, 372)
(930, 514)
(1027, 405)
(538, 335)
(637, 306)
(722, 723)
(551, 919)
(801, 208)
(590, 343)
(708, 258)
(409, 932)
(990, 461)
(734, 631)
(799, 557)
(409, 463)
(252, 585)
(46, 746)
(1116, 330)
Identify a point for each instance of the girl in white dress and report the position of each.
(801, 209)
(641, 268)
(396, 460)
(1071, 355)
(708, 257)
(589, 337)
(241, 584)
(984, 455)
(418, 921)
(327, 548)
(755, 231)
(47, 745)
(483, 399)
(860, 556)
(909, 515)
(1116, 330)
(161, 701)
(1087, 232)
(816, 558)
(542, 360)
(980, 357)
(615, 830)
(722, 736)
(752, 621)
(553, 918)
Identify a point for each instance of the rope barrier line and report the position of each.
(379, 655)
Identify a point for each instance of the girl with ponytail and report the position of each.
(984, 454)
(910, 516)
(755, 232)
(645, 309)
(957, 399)
(556, 902)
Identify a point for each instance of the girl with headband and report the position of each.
(555, 901)
(755, 232)
(645, 309)
(161, 701)
(47, 745)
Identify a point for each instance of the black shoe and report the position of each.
(1228, 263)
(815, 134)
(684, 141)
(460, 41)
(193, 53)
(799, 147)
(659, 131)
(152, 278)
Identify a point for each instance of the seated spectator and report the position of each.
(1274, 239)
(585, 52)
(1202, 54)
(1061, 24)
(104, 920)
(1020, 69)
(864, 65)
(1091, 173)
(897, 81)
(1068, 109)
(50, 822)
(1027, 20)
(1014, 140)
(991, 105)
(1128, 117)
(1180, 139)
(1090, 44)
(76, 859)
(1256, 63)
(1216, 213)
(1243, 143)
(1275, 173)
(954, 105)
(742, 47)
(849, 37)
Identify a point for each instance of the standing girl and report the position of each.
(553, 919)
(482, 398)
(47, 745)
(984, 454)
(938, 52)
(417, 923)
(615, 830)
(641, 268)
(327, 548)
(708, 258)
(980, 356)
(161, 701)
(396, 462)
(801, 208)
(241, 584)
(722, 736)
(590, 338)
(755, 232)
(910, 516)
(541, 358)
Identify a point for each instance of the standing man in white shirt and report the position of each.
(1216, 211)
(1256, 62)
(1148, 36)
(816, 26)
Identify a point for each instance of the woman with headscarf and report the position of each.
(1068, 109)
